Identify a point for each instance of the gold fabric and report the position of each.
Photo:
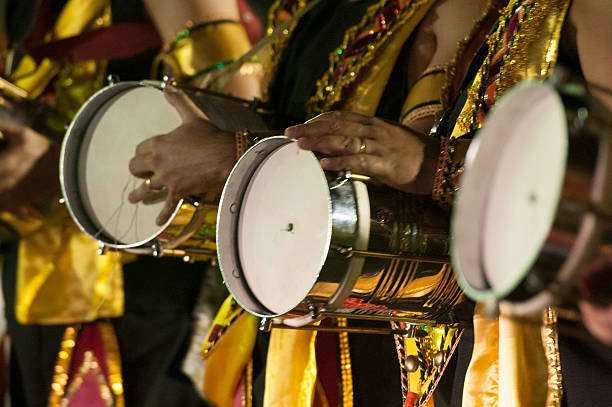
(60, 277)
(509, 367)
(227, 358)
(291, 369)
(365, 92)
(426, 92)
(74, 18)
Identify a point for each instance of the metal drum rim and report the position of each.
(71, 138)
(230, 258)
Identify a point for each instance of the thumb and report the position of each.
(183, 105)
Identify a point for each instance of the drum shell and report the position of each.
(191, 230)
(405, 274)
(402, 274)
(581, 229)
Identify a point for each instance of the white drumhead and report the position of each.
(284, 228)
(108, 145)
(510, 190)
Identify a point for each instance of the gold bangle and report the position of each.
(191, 28)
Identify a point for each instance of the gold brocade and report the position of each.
(291, 368)
(532, 54)
(60, 277)
(551, 345)
(204, 48)
(227, 358)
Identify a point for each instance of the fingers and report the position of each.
(340, 145)
(183, 104)
(141, 193)
(344, 116)
(152, 193)
(361, 163)
(141, 166)
(314, 129)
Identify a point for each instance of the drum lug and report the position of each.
(61, 201)
(112, 79)
(313, 308)
(158, 250)
(167, 80)
(102, 249)
(192, 200)
(265, 324)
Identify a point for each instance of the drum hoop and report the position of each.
(71, 145)
(229, 258)
(491, 293)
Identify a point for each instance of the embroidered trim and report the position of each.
(550, 339)
(62, 366)
(361, 43)
(428, 109)
(280, 12)
(346, 371)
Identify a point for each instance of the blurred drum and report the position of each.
(536, 197)
(293, 245)
(96, 180)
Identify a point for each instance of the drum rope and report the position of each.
(116, 215)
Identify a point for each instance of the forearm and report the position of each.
(201, 36)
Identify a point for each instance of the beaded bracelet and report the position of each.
(449, 170)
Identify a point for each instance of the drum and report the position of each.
(96, 181)
(535, 202)
(295, 246)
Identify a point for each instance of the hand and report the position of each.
(28, 166)
(596, 299)
(366, 145)
(194, 158)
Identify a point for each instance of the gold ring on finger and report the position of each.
(362, 147)
(151, 187)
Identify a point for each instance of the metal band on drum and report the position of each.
(381, 254)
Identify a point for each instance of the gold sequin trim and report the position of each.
(550, 339)
(346, 371)
(62, 366)
(534, 50)
(113, 358)
(276, 15)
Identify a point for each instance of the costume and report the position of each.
(59, 284)
(513, 363)
(348, 63)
